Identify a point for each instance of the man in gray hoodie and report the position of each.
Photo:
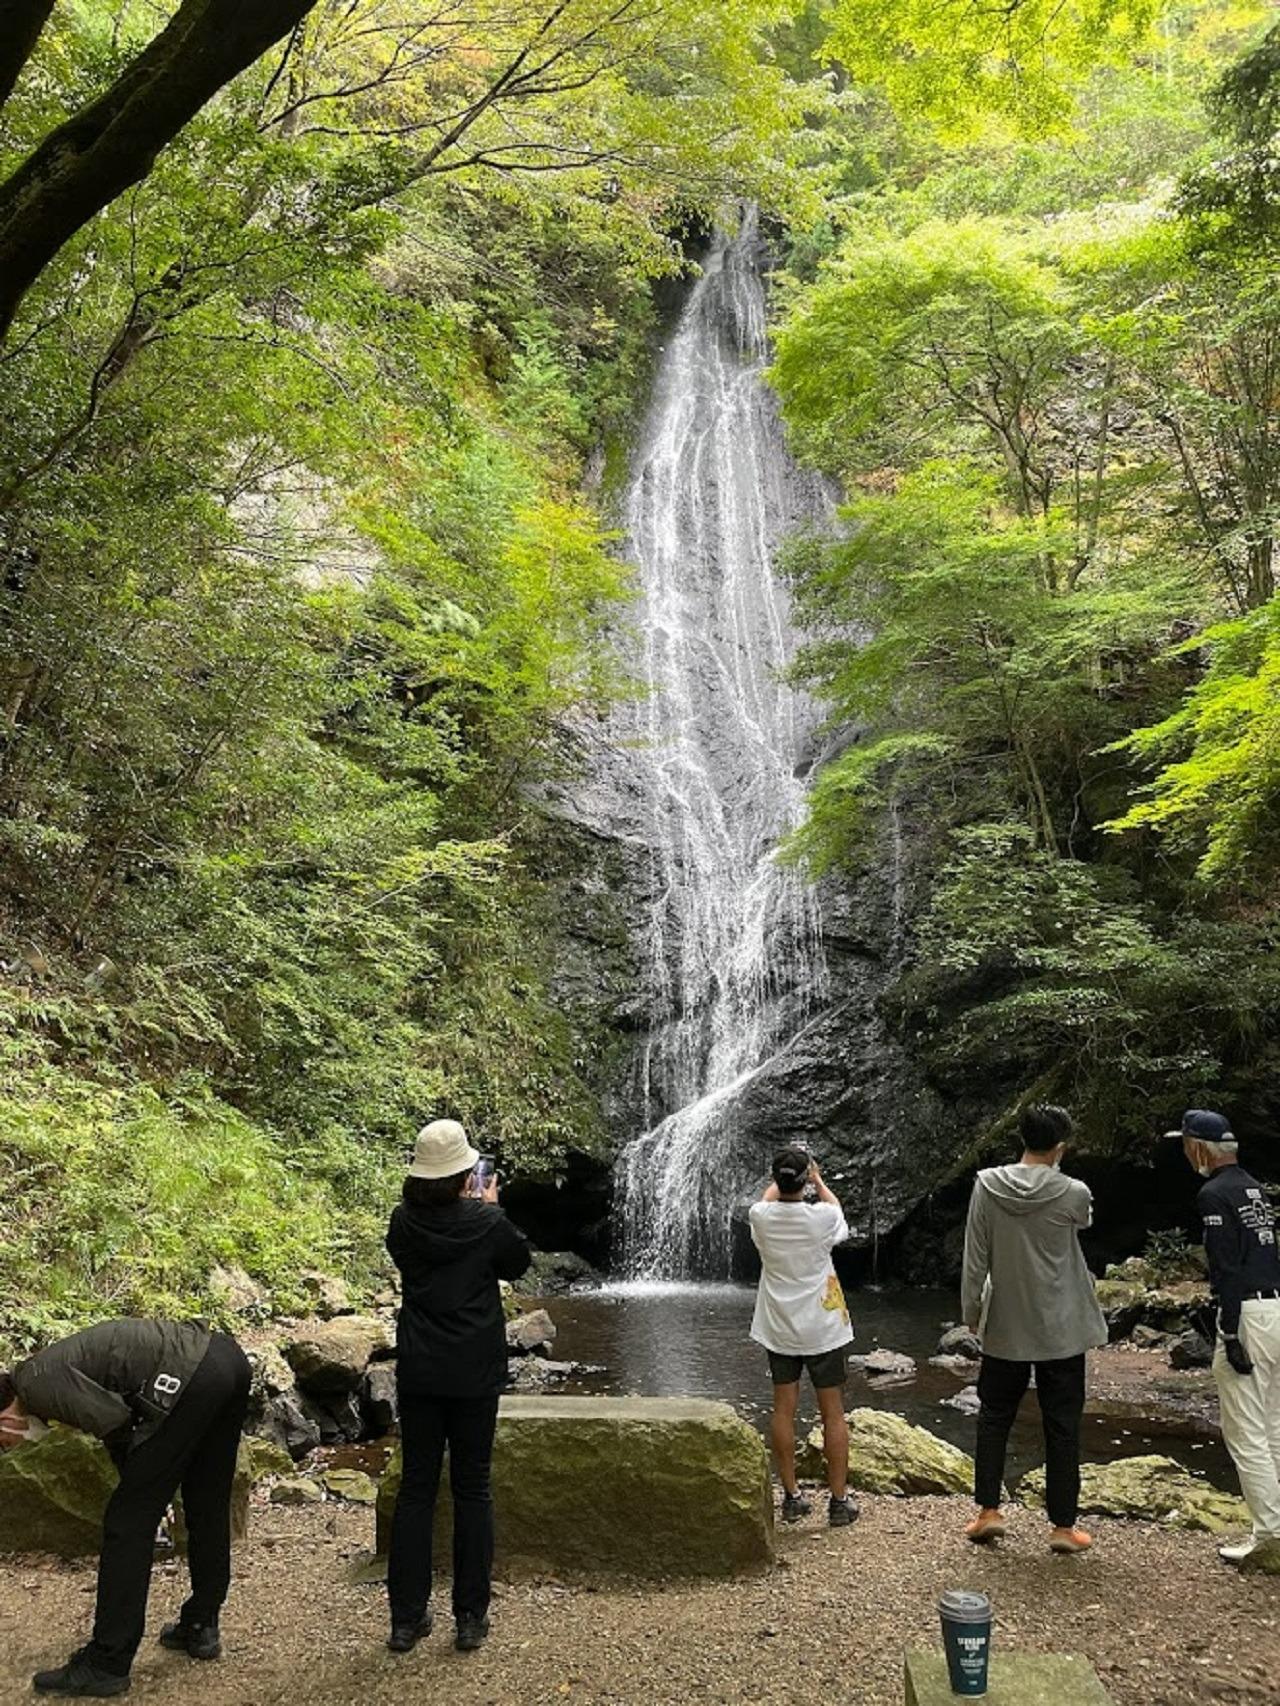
(1029, 1296)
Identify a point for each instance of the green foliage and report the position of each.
(299, 600)
(1218, 786)
(1050, 610)
(962, 65)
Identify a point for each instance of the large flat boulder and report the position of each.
(54, 1491)
(623, 1486)
(888, 1454)
(1014, 1679)
(1150, 1489)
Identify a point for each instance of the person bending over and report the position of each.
(1028, 1295)
(1244, 1273)
(452, 1247)
(168, 1400)
(802, 1322)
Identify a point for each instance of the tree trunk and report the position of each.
(21, 22)
(112, 143)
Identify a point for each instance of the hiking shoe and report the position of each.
(842, 1512)
(1237, 1552)
(986, 1526)
(795, 1506)
(472, 1633)
(196, 1640)
(1070, 1540)
(404, 1637)
(80, 1676)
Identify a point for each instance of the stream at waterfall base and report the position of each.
(671, 1339)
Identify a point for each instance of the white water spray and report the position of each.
(734, 941)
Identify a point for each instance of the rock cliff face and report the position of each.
(726, 1006)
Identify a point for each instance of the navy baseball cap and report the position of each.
(1208, 1127)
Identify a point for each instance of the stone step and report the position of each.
(1015, 1679)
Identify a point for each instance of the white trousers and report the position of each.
(1250, 1407)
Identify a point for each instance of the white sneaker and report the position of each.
(1237, 1553)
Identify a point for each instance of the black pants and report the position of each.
(1060, 1392)
(427, 1425)
(194, 1451)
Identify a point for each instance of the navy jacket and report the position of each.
(1239, 1240)
(452, 1340)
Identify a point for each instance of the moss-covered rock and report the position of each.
(351, 1484)
(297, 1490)
(888, 1454)
(1150, 1489)
(260, 1458)
(1120, 1301)
(53, 1492)
(625, 1486)
(1264, 1560)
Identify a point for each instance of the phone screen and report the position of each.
(482, 1174)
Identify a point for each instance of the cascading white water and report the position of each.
(734, 943)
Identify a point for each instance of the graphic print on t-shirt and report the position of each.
(833, 1297)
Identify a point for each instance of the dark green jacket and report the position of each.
(117, 1381)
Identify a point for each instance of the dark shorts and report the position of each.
(829, 1369)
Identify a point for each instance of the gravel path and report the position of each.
(1165, 1622)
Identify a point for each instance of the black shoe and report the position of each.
(794, 1506)
(841, 1512)
(82, 1677)
(404, 1637)
(472, 1633)
(196, 1640)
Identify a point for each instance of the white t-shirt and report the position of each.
(800, 1308)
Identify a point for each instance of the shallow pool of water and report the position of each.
(665, 1339)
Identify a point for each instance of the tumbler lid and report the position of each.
(959, 1606)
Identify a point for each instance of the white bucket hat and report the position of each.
(442, 1151)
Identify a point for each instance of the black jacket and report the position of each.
(452, 1340)
(117, 1381)
(1239, 1240)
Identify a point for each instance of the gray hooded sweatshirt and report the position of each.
(1025, 1287)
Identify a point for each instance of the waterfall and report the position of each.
(734, 948)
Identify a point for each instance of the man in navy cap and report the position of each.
(1244, 1271)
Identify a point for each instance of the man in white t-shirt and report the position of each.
(802, 1322)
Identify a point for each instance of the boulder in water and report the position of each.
(888, 1454)
(379, 1398)
(884, 1365)
(960, 1342)
(966, 1400)
(532, 1332)
(1150, 1489)
(553, 1272)
(649, 1487)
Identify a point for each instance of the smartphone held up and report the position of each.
(483, 1176)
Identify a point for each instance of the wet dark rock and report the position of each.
(537, 1374)
(285, 1423)
(1148, 1338)
(379, 1399)
(1190, 1350)
(337, 1415)
(555, 1272)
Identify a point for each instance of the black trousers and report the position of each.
(427, 1425)
(1060, 1392)
(193, 1451)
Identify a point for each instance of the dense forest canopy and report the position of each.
(323, 330)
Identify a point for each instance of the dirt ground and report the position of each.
(1163, 1620)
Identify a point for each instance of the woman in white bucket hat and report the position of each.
(452, 1245)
